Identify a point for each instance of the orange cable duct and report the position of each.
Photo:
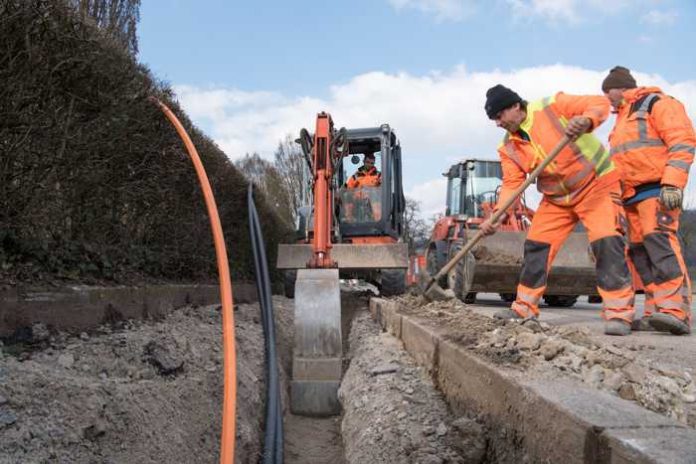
(230, 357)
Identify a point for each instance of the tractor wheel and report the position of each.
(393, 282)
(462, 275)
(433, 266)
(289, 278)
(562, 301)
(508, 297)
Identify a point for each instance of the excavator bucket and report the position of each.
(317, 356)
(499, 261)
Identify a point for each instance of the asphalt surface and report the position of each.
(667, 349)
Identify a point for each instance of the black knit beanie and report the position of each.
(618, 78)
(498, 98)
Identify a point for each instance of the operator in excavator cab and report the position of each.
(367, 175)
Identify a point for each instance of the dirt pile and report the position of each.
(393, 413)
(141, 392)
(542, 350)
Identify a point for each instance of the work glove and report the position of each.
(577, 126)
(671, 197)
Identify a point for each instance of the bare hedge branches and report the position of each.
(119, 18)
(94, 182)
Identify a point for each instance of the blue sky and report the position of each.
(250, 72)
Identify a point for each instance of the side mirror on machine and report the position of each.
(355, 159)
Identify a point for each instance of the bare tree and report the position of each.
(290, 163)
(119, 18)
(269, 181)
(416, 229)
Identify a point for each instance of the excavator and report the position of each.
(342, 232)
(494, 265)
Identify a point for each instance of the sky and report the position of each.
(251, 73)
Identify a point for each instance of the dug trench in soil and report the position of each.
(539, 350)
(392, 413)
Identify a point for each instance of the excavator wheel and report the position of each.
(562, 301)
(289, 278)
(393, 282)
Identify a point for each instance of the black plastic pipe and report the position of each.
(273, 431)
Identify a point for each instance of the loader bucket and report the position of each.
(499, 262)
(317, 355)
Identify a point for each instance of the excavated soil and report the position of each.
(140, 392)
(392, 411)
(538, 349)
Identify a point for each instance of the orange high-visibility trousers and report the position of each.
(656, 253)
(600, 212)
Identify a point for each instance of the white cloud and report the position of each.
(438, 117)
(451, 10)
(560, 12)
(658, 18)
(432, 195)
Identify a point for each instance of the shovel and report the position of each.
(431, 290)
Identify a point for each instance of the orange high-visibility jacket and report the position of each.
(653, 140)
(365, 178)
(575, 167)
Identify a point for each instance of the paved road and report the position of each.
(663, 348)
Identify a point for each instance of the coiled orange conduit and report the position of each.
(230, 357)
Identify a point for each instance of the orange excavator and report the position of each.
(343, 231)
(494, 265)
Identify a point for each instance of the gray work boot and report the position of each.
(506, 314)
(510, 314)
(617, 327)
(663, 322)
(642, 325)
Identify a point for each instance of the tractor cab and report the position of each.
(473, 187)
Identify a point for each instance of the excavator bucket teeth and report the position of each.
(317, 356)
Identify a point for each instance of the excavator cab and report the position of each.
(373, 210)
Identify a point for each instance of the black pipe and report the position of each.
(273, 432)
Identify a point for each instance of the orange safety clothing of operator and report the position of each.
(653, 145)
(581, 184)
(369, 177)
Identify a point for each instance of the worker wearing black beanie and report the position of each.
(499, 98)
(580, 183)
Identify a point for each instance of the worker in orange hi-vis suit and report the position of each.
(652, 145)
(581, 184)
(367, 175)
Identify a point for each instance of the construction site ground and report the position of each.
(423, 382)
(657, 348)
(557, 390)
